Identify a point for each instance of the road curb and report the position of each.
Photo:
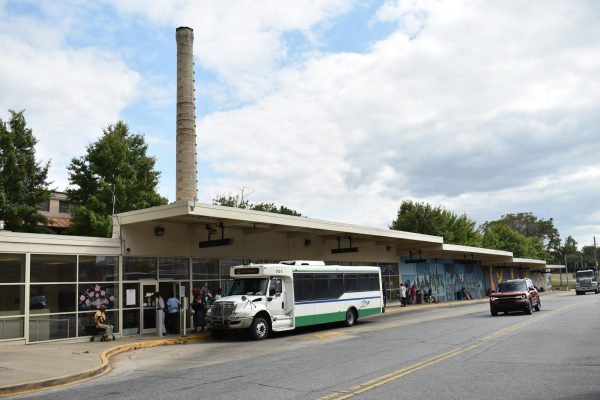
(101, 369)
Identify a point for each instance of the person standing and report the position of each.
(200, 307)
(413, 294)
(402, 295)
(160, 310)
(102, 323)
(173, 305)
(219, 294)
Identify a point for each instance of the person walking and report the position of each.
(402, 295)
(173, 305)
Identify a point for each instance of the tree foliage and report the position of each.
(423, 218)
(115, 172)
(529, 225)
(23, 180)
(499, 236)
(239, 201)
(590, 255)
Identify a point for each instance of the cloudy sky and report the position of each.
(340, 109)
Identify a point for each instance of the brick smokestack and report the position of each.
(186, 183)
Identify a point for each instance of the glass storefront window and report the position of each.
(12, 300)
(173, 268)
(45, 299)
(12, 328)
(205, 268)
(12, 268)
(131, 322)
(131, 295)
(136, 268)
(86, 321)
(51, 327)
(225, 266)
(53, 268)
(92, 296)
(98, 268)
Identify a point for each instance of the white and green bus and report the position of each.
(284, 296)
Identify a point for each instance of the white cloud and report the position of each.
(488, 102)
(69, 94)
(242, 41)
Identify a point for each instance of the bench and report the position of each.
(93, 331)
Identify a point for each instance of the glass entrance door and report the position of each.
(148, 303)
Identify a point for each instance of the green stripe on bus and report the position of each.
(368, 311)
(332, 317)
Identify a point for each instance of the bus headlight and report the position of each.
(240, 314)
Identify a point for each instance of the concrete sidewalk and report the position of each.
(27, 368)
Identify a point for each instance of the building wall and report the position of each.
(182, 240)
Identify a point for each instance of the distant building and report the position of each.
(56, 209)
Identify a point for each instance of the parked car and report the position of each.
(515, 295)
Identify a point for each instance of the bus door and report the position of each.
(277, 304)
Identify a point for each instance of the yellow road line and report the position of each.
(389, 377)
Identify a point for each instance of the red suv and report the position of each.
(515, 295)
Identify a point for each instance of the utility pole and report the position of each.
(567, 271)
(595, 254)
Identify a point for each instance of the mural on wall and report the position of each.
(96, 296)
(500, 274)
(445, 279)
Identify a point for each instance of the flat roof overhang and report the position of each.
(469, 254)
(256, 222)
(415, 245)
(523, 263)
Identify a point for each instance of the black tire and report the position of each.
(529, 310)
(494, 313)
(259, 329)
(596, 291)
(350, 318)
(577, 293)
(538, 306)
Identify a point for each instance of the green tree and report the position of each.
(500, 237)
(424, 218)
(23, 180)
(114, 173)
(239, 201)
(572, 254)
(590, 254)
(272, 208)
(529, 225)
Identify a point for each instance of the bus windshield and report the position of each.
(255, 286)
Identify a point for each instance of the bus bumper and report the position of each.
(229, 323)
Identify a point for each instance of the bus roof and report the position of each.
(302, 262)
(265, 270)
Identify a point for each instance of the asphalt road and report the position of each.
(447, 353)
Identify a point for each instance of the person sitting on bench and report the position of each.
(102, 323)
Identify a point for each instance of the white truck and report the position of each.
(586, 280)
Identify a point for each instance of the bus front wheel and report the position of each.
(259, 329)
(350, 317)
